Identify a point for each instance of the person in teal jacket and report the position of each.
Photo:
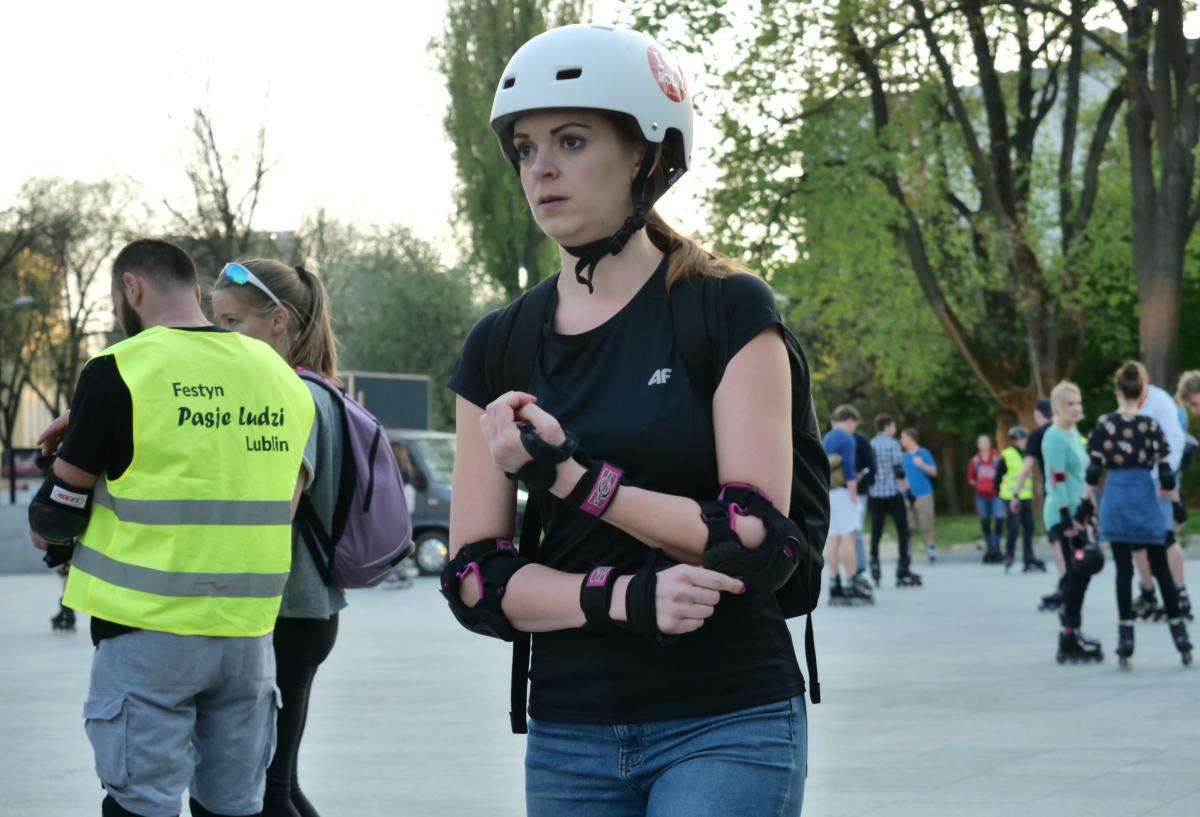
(1066, 513)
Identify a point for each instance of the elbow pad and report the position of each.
(490, 563)
(59, 511)
(1166, 477)
(764, 569)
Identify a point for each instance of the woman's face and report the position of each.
(1072, 410)
(576, 171)
(234, 314)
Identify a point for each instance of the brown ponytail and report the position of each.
(311, 341)
(688, 258)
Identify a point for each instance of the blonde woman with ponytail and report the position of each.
(287, 308)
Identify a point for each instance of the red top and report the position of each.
(981, 473)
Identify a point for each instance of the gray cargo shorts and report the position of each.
(168, 712)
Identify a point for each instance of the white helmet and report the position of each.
(605, 69)
(600, 68)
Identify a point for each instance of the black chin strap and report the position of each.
(592, 253)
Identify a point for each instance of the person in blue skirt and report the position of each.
(1129, 446)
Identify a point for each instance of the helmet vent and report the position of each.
(569, 73)
(510, 82)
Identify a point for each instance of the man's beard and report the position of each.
(129, 319)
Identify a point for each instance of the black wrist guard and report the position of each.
(1064, 517)
(540, 472)
(59, 511)
(1166, 477)
(764, 569)
(641, 610)
(596, 489)
(1180, 512)
(490, 563)
(58, 555)
(595, 599)
(1085, 512)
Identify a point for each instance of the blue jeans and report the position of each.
(750, 762)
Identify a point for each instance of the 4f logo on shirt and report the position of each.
(660, 377)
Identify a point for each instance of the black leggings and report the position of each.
(1024, 518)
(1157, 554)
(880, 508)
(301, 644)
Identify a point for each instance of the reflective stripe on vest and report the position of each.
(195, 511)
(163, 583)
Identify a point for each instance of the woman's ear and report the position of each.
(279, 321)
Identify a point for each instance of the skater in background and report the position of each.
(864, 461)
(843, 507)
(1035, 463)
(920, 470)
(981, 476)
(887, 499)
(1130, 446)
(1065, 515)
(1019, 506)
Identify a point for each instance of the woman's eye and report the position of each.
(573, 142)
(524, 151)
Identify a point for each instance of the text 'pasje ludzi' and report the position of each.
(218, 417)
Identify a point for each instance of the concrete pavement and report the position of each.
(939, 701)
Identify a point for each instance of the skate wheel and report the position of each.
(1061, 658)
(1187, 659)
(1123, 662)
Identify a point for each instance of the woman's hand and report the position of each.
(499, 425)
(685, 596)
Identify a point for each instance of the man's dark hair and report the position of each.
(882, 421)
(843, 413)
(161, 262)
(912, 434)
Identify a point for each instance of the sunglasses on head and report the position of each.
(241, 276)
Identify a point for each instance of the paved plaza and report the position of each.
(939, 701)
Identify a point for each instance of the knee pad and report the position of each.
(764, 569)
(491, 563)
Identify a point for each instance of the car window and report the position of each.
(437, 453)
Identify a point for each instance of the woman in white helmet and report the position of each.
(658, 686)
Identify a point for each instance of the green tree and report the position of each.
(867, 136)
(395, 305)
(479, 38)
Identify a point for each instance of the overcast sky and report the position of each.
(348, 90)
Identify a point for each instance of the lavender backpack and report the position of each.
(371, 529)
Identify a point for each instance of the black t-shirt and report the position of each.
(623, 390)
(99, 437)
(1034, 447)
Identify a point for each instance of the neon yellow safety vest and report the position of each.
(195, 537)
(1014, 461)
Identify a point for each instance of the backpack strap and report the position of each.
(516, 337)
(700, 330)
(320, 546)
(511, 355)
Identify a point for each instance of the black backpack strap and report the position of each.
(516, 337)
(700, 331)
(512, 351)
(320, 546)
(531, 529)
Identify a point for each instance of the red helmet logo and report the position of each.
(668, 77)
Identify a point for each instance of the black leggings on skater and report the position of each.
(1074, 586)
(301, 644)
(1157, 554)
